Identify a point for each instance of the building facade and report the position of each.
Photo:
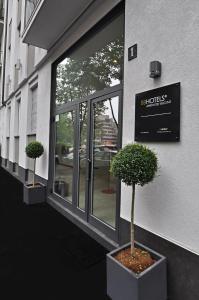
(67, 82)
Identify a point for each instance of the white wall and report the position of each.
(19, 50)
(166, 31)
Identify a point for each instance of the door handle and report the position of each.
(89, 169)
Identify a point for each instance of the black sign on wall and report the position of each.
(157, 114)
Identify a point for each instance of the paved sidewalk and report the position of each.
(43, 255)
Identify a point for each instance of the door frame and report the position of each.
(100, 224)
(114, 91)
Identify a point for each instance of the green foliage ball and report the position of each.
(134, 164)
(34, 149)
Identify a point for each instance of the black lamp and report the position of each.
(155, 69)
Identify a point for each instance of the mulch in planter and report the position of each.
(137, 263)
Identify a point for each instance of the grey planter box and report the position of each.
(123, 284)
(33, 195)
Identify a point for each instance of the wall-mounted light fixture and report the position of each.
(155, 69)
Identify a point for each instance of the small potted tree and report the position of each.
(135, 272)
(34, 192)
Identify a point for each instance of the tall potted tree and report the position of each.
(135, 272)
(34, 192)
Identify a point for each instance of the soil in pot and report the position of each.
(137, 263)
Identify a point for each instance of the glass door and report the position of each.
(65, 154)
(105, 142)
(83, 159)
(71, 161)
(87, 136)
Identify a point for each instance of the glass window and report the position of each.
(64, 155)
(17, 116)
(105, 146)
(82, 153)
(33, 119)
(8, 121)
(19, 15)
(9, 34)
(30, 7)
(16, 155)
(30, 161)
(94, 65)
(7, 149)
(30, 59)
(1, 10)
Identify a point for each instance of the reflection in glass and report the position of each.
(64, 155)
(82, 153)
(105, 138)
(92, 66)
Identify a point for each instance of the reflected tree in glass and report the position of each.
(105, 146)
(78, 78)
(64, 155)
(82, 154)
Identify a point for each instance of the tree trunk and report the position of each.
(34, 172)
(132, 221)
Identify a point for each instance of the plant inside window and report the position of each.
(135, 164)
(34, 150)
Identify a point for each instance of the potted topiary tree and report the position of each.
(34, 192)
(135, 272)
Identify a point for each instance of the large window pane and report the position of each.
(33, 119)
(104, 148)
(30, 7)
(92, 66)
(30, 161)
(83, 154)
(64, 155)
